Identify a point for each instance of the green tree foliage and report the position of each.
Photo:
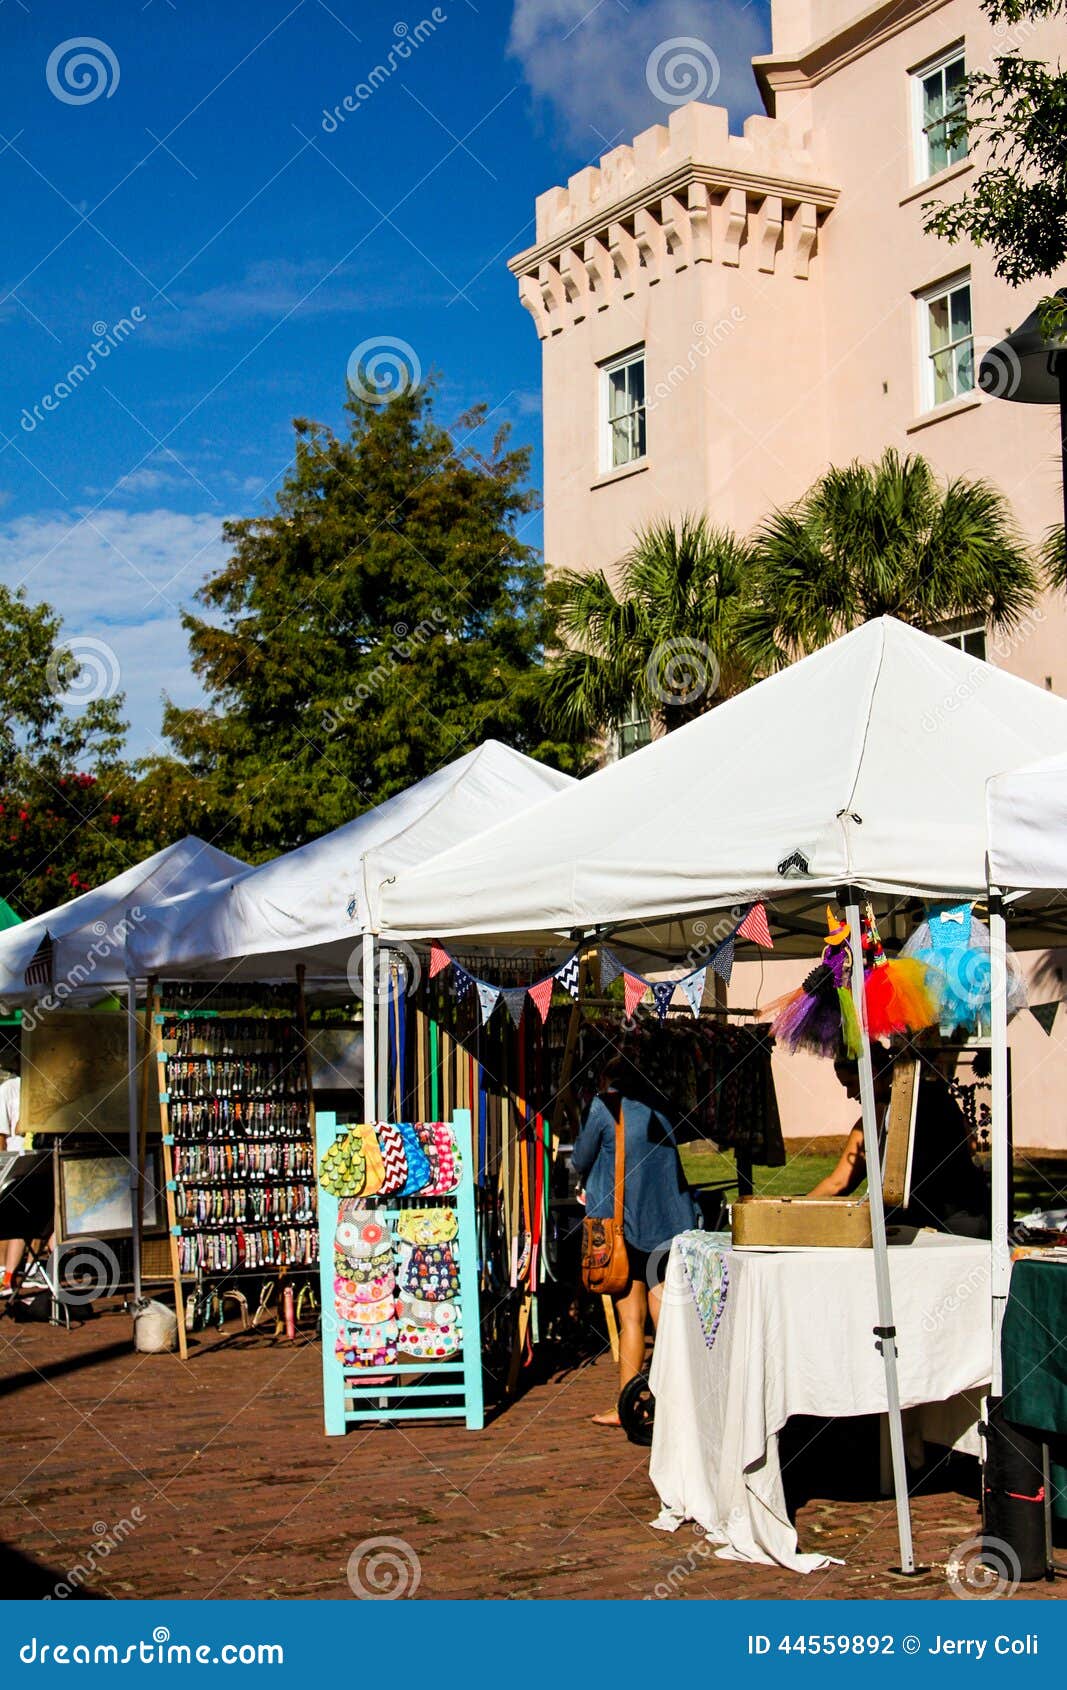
(661, 639)
(382, 620)
(884, 539)
(68, 812)
(1016, 121)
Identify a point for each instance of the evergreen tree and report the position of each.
(383, 620)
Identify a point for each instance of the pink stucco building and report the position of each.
(722, 316)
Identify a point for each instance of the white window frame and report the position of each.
(636, 355)
(940, 290)
(958, 635)
(920, 139)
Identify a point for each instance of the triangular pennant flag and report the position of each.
(610, 967)
(461, 981)
(757, 928)
(488, 997)
(439, 959)
(1044, 1014)
(568, 976)
(515, 998)
(635, 990)
(693, 987)
(662, 993)
(722, 960)
(542, 995)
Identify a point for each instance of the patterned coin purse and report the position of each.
(343, 1168)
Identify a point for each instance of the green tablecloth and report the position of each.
(1034, 1353)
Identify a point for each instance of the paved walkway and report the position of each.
(214, 1479)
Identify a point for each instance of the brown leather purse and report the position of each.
(605, 1261)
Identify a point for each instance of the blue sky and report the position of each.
(172, 192)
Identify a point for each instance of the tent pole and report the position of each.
(885, 1331)
(381, 1004)
(133, 1116)
(370, 1062)
(1001, 1255)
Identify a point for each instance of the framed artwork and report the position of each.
(74, 1067)
(94, 1195)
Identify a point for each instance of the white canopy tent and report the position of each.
(317, 905)
(860, 768)
(80, 954)
(88, 935)
(1027, 867)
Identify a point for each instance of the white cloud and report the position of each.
(121, 578)
(269, 291)
(589, 60)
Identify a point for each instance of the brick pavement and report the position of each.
(241, 1495)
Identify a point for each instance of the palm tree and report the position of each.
(661, 641)
(1054, 557)
(884, 539)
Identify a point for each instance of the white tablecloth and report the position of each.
(796, 1337)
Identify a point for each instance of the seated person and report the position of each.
(948, 1192)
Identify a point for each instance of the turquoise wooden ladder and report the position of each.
(410, 1389)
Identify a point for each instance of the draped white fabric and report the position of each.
(1028, 827)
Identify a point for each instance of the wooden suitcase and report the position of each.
(844, 1222)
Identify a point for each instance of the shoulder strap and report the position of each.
(620, 1165)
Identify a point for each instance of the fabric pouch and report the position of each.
(420, 1173)
(343, 1168)
(426, 1226)
(428, 1343)
(375, 1166)
(394, 1159)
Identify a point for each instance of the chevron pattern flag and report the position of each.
(488, 998)
(693, 987)
(610, 967)
(439, 959)
(722, 960)
(662, 993)
(757, 928)
(635, 989)
(568, 976)
(542, 995)
(515, 998)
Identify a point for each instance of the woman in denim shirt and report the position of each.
(657, 1205)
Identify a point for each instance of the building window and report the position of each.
(633, 732)
(938, 104)
(623, 410)
(948, 343)
(969, 640)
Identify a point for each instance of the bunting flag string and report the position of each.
(756, 927)
(488, 997)
(753, 925)
(1045, 1016)
(693, 987)
(568, 976)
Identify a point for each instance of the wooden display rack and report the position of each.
(412, 1389)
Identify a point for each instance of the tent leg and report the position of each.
(381, 1005)
(133, 1116)
(1001, 1256)
(885, 1332)
(370, 1061)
